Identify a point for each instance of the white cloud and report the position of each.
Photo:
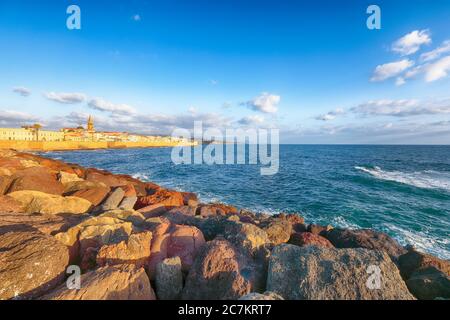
(402, 108)
(330, 115)
(106, 106)
(24, 92)
(13, 118)
(392, 69)
(411, 42)
(252, 120)
(436, 53)
(400, 81)
(265, 102)
(438, 69)
(66, 98)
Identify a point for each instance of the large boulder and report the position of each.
(113, 200)
(5, 183)
(121, 282)
(217, 209)
(316, 273)
(30, 262)
(319, 229)
(297, 221)
(128, 203)
(309, 239)
(185, 242)
(220, 272)
(190, 199)
(278, 230)
(37, 179)
(135, 217)
(135, 250)
(365, 238)
(414, 260)
(46, 223)
(94, 233)
(169, 279)
(429, 284)
(66, 177)
(93, 195)
(164, 197)
(39, 202)
(176, 241)
(105, 177)
(9, 204)
(246, 236)
(71, 187)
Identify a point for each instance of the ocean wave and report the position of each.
(422, 241)
(427, 179)
(141, 176)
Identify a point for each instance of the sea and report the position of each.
(401, 190)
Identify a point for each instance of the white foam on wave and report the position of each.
(141, 176)
(421, 241)
(428, 179)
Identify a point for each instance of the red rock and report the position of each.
(217, 209)
(414, 260)
(36, 179)
(185, 242)
(178, 240)
(318, 229)
(105, 177)
(54, 165)
(129, 190)
(309, 239)
(190, 199)
(94, 195)
(365, 238)
(168, 198)
(220, 272)
(151, 188)
(297, 222)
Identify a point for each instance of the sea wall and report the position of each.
(77, 145)
(136, 240)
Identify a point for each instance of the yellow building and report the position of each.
(30, 133)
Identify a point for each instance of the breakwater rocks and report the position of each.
(136, 240)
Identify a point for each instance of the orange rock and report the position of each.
(8, 204)
(129, 190)
(217, 209)
(168, 198)
(94, 195)
(31, 262)
(309, 239)
(121, 282)
(135, 250)
(36, 179)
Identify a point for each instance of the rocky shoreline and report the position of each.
(137, 240)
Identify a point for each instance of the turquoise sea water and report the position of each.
(402, 190)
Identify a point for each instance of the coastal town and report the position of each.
(34, 137)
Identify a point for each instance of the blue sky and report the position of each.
(310, 68)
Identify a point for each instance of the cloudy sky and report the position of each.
(315, 71)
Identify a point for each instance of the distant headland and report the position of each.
(33, 138)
